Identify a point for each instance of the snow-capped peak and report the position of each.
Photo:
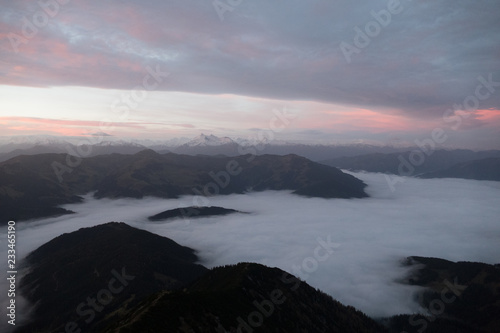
(209, 140)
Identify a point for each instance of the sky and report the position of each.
(386, 72)
(367, 238)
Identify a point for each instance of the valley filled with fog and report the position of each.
(366, 239)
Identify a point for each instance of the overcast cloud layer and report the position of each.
(416, 59)
(447, 218)
(428, 54)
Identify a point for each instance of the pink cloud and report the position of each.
(27, 130)
(32, 125)
(347, 118)
(23, 125)
(489, 116)
(57, 61)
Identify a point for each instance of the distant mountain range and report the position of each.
(203, 144)
(209, 140)
(33, 186)
(355, 157)
(459, 163)
(116, 278)
(483, 169)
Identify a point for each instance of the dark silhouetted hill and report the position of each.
(30, 188)
(115, 278)
(112, 263)
(417, 164)
(484, 169)
(460, 297)
(192, 212)
(244, 298)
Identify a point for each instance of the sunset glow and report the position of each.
(180, 70)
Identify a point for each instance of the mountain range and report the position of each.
(483, 169)
(34, 186)
(99, 144)
(400, 160)
(459, 163)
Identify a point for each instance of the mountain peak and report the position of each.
(209, 140)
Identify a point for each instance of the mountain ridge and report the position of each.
(99, 144)
(459, 296)
(409, 163)
(482, 169)
(29, 185)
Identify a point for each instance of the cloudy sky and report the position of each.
(367, 71)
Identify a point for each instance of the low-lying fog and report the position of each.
(447, 218)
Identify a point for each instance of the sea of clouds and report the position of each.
(368, 238)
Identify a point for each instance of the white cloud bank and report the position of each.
(447, 218)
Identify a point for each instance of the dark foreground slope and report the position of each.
(115, 278)
(33, 186)
(244, 298)
(460, 297)
(113, 264)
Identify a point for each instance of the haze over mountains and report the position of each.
(202, 144)
(481, 169)
(429, 164)
(425, 161)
